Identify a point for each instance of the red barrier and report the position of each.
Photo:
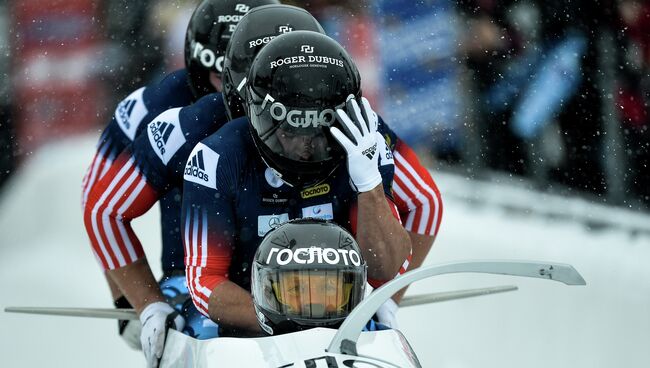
(55, 83)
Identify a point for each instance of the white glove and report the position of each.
(360, 143)
(387, 314)
(156, 318)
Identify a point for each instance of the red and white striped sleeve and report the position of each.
(117, 197)
(101, 162)
(207, 258)
(208, 219)
(415, 192)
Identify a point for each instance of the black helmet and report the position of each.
(295, 85)
(208, 33)
(306, 273)
(254, 31)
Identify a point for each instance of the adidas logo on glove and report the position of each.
(370, 152)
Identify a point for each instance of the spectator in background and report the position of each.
(581, 117)
(539, 72)
(490, 45)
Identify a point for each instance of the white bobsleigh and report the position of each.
(329, 348)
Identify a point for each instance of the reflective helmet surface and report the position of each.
(295, 85)
(255, 30)
(208, 33)
(306, 273)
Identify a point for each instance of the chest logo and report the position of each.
(315, 191)
(267, 223)
(320, 211)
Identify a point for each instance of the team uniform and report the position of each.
(147, 171)
(232, 199)
(152, 168)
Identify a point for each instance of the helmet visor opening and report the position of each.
(311, 295)
(297, 134)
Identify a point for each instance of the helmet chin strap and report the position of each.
(241, 84)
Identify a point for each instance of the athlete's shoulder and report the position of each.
(172, 91)
(205, 115)
(201, 166)
(130, 112)
(148, 101)
(166, 135)
(221, 155)
(233, 137)
(176, 80)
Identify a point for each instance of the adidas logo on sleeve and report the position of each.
(130, 112)
(201, 167)
(165, 135)
(385, 154)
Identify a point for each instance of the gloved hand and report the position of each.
(156, 318)
(387, 314)
(129, 330)
(360, 143)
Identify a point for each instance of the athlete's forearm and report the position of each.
(421, 245)
(384, 242)
(116, 293)
(137, 283)
(231, 306)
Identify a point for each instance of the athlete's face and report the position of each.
(302, 147)
(307, 295)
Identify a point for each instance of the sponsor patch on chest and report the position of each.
(267, 222)
(321, 211)
(315, 191)
(274, 199)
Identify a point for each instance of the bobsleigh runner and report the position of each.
(325, 347)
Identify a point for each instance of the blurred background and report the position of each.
(532, 116)
(552, 93)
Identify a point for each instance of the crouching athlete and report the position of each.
(307, 273)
